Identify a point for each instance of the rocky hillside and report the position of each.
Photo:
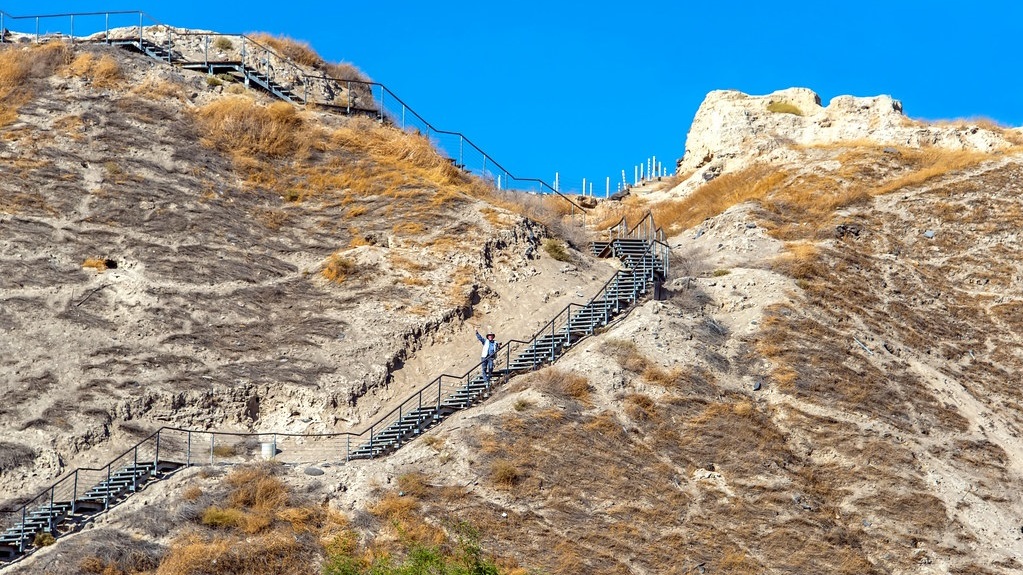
(183, 252)
(830, 385)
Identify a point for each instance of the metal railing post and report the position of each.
(552, 341)
(72, 29)
(213, 439)
(188, 449)
(461, 141)
(2, 34)
(140, 30)
(37, 29)
(74, 493)
(106, 494)
(348, 449)
(274, 441)
(49, 512)
(21, 541)
(106, 27)
(371, 450)
(348, 99)
(135, 468)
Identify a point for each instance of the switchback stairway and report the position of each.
(69, 503)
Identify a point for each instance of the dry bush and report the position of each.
(238, 125)
(98, 264)
(505, 473)
(192, 493)
(561, 383)
(276, 553)
(297, 50)
(627, 355)
(669, 378)
(800, 261)
(345, 71)
(160, 89)
(414, 484)
(101, 72)
(19, 65)
(640, 407)
(338, 268)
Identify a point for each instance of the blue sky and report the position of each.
(588, 92)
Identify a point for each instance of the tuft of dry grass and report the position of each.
(297, 50)
(505, 473)
(784, 108)
(338, 268)
(98, 264)
(101, 72)
(561, 383)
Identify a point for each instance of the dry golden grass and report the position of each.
(504, 473)
(297, 50)
(100, 72)
(239, 125)
(98, 264)
(784, 108)
(626, 354)
(345, 71)
(338, 268)
(160, 89)
(18, 65)
(561, 383)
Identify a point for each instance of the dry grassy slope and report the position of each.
(216, 314)
(902, 459)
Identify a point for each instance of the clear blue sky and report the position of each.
(549, 86)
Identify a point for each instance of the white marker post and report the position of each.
(607, 188)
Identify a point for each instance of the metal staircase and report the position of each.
(69, 503)
(645, 258)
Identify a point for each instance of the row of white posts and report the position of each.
(642, 173)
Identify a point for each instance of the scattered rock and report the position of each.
(929, 234)
(314, 471)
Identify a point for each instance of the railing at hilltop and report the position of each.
(347, 94)
(645, 229)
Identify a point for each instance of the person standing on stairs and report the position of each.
(488, 353)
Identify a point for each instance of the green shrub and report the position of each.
(222, 43)
(556, 250)
(721, 272)
(44, 539)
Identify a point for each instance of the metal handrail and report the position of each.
(551, 327)
(304, 76)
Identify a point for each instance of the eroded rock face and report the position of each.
(731, 130)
